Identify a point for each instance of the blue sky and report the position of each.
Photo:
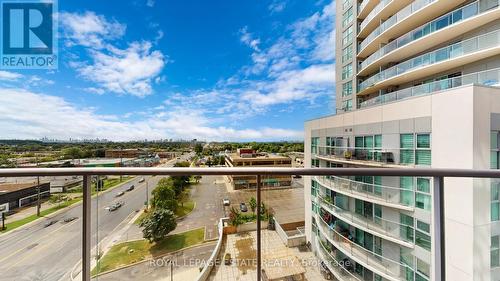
(152, 69)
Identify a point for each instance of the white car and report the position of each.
(142, 180)
(226, 202)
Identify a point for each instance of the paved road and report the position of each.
(50, 253)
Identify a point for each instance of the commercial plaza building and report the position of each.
(250, 158)
(417, 86)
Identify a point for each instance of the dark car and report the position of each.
(243, 207)
(130, 188)
(70, 219)
(49, 223)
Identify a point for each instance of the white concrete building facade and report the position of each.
(417, 86)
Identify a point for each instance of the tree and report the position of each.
(253, 204)
(198, 148)
(72, 153)
(164, 196)
(158, 225)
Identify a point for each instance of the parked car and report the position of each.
(49, 223)
(297, 176)
(119, 194)
(141, 180)
(70, 219)
(130, 188)
(243, 207)
(226, 202)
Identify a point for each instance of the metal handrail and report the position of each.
(388, 172)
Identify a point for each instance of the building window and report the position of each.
(315, 163)
(406, 227)
(347, 36)
(347, 53)
(495, 251)
(347, 71)
(314, 145)
(423, 152)
(347, 89)
(495, 200)
(422, 235)
(347, 17)
(347, 105)
(415, 149)
(494, 150)
(422, 195)
(406, 192)
(423, 270)
(346, 4)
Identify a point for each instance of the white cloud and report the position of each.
(150, 3)
(94, 90)
(57, 118)
(299, 66)
(248, 39)
(129, 71)
(294, 85)
(10, 76)
(277, 6)
(89, 30)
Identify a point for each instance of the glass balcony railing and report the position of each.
(444, 21)
(363, 5)
(376, 156)
(381, 193)
(486, 78)
(466, 47)
(381, 5)
(377, 224)
(398, 17)
(372, 260)
(336, 267)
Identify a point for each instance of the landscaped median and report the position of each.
(108, 185)
(127, 253)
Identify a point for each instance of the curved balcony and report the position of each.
(377, 226)
(377, 194)
(335, 266)
(449, 57)
(442, 29)
(365, 7)
(387, 268)
(383, 10)
(413, 15)
(486, 78)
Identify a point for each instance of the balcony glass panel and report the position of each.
(456, 16)
(402, 14)
(342, 239)
(382, 193)
(381, 5)
(487, 78)
(374, 223)
(475, 44)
